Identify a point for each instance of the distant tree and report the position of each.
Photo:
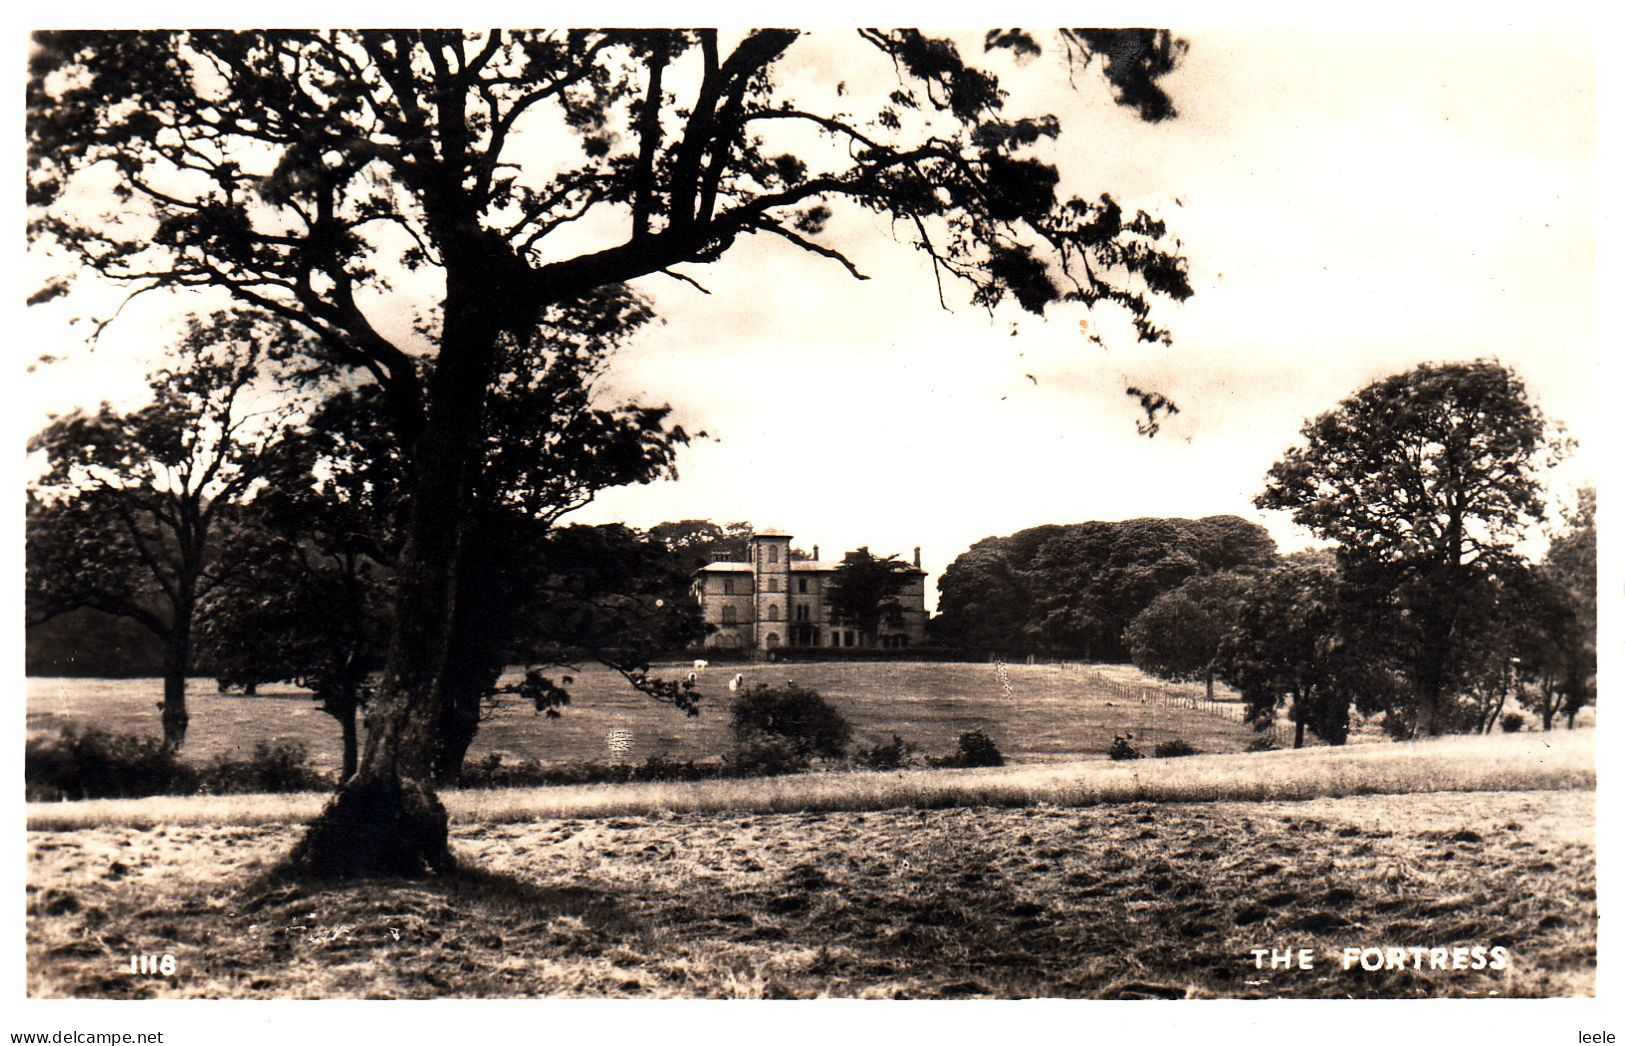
(983, 602)
(1294, 648)
(1177, 637)
(700, 542)
(1072, 590)
(864, 588)
(125, 517)
(1572, 563)
(1426, 480)
(309, 601)
(1554, 634)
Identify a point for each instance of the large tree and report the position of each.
(1294, 647)
(1426, 481)
(300, 172)
(125, 517)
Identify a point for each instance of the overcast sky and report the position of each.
(1351, 204)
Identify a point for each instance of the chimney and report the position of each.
(916, 557)
(815, 552)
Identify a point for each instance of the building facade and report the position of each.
(772, 602)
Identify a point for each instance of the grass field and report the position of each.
(1053, 713)
(1138, 900)
(1061, 875)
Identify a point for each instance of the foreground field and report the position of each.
(1051, 713)
(1129, 900)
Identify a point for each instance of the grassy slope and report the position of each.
(1505, 762)
(1052, 713)
(1132, 900)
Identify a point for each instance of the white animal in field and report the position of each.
(736, 682)
(700, 663)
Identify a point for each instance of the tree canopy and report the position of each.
(126, 516)
(864, 588)
(1426, 480)
(1072, 590)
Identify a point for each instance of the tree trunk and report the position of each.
(386, 820)
(347, 730)
(177, 659)
(480, 632)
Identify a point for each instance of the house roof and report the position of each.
(813, 566)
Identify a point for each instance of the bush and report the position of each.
(1264, 743)
(892, 756)
(492, 772)
(977, 749)
(91, 763)
(765, 755)
(1175, 748)
(1121, 749)
(793, 714)
(1512, 722)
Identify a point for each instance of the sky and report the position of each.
(1351, 204)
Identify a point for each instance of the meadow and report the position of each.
(1052, 713)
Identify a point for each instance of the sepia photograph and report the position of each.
(825, 514)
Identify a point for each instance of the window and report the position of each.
(772, 584)
(729, 617)
(801, 613)
(772, 553)
(727, 586)
(801, 585)
(773, 612)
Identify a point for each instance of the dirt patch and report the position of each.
(902, 904)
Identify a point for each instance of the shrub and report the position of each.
(977, 749)
(1121, 749)
(765, 755)
(794, 714)
(892, 756)
(493, 772)
(1512, 722)
(1263, 743)
(91, 763)
(1175, 748)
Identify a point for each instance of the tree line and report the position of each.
(1421, 610)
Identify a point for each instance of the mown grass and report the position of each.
(1508, 762)
(1051, 714)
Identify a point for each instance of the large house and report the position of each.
(771, 601)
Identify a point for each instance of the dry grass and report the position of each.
(1504, 762)
(1131, 900)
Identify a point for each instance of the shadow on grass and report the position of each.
(467, 888)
